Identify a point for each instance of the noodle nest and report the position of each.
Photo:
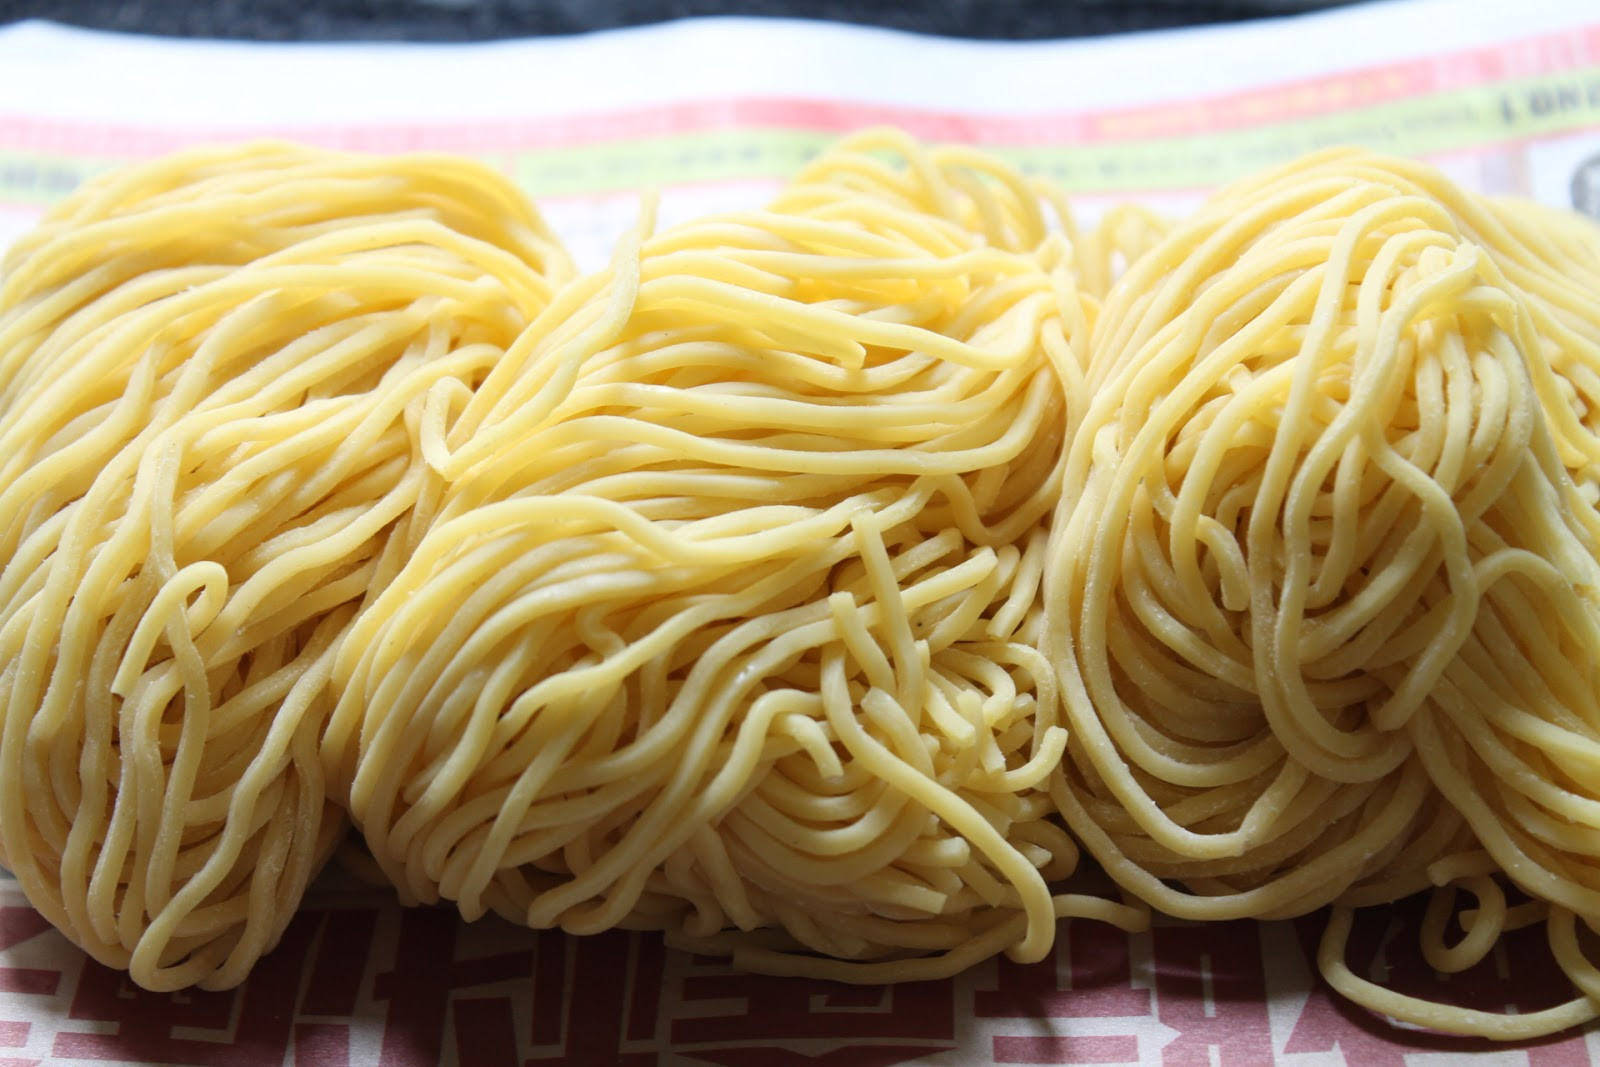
(811, 583)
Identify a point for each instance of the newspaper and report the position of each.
(714, 113)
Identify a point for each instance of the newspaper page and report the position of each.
(713, 114)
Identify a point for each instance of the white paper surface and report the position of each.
(716, 111)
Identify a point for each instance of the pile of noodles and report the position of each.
(729, 617)
(214, 370)
(811, 583)
(1323, 595)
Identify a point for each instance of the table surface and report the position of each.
(459, 20)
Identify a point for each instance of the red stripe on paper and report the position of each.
(1575, 49)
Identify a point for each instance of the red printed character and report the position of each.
(17, 925)
(251, 1025)
(597, 999)
(1087, 976)
(544, 997)
(424, 984)
(1519, 975)
(1211, 990)
(746, 1019)
(333, 984)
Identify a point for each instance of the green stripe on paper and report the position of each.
(1442, 122)
(39, 178)
(723, 155)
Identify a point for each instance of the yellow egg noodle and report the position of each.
(752, 523)
(212, 368)
(1321, 589)
(811, 582)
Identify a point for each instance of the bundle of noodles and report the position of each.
(978, 192)
(1321, 595)
(728, 624)
(1549, 257)
(213, 372)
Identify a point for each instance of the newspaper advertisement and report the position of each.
(714, 114)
